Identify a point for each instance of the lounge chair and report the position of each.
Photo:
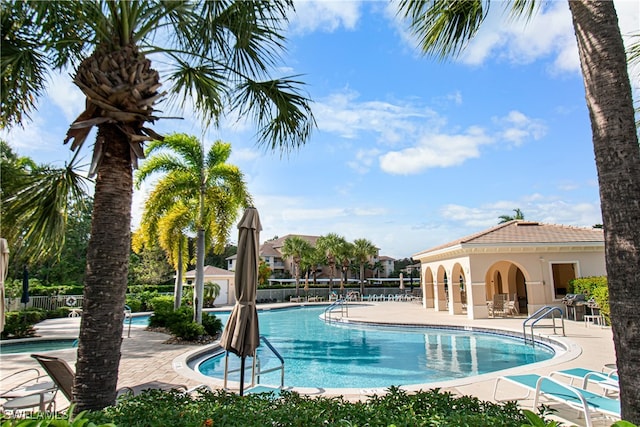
(585, 401)
(63, 376)
(497, 306)
(608, 382)
(29, 390)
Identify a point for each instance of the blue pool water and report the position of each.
(36, 345)
(324, 355)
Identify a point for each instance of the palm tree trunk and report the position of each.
(297, 267)
(361, 280)
(198, 292)
(615, 142)
(105, 288)
(178, 286)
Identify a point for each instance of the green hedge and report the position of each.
(594, 287)
(399, 408)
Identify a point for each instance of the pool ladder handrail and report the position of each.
(256, 370)
(128, 314)
(341, 304)
(539, 315)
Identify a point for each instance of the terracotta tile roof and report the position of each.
(520, 232)
(210, 270)
(278, 243)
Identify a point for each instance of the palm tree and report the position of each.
(296, 248)
(164, 220)
(445, 27)
(211, 292)
(344, 256)
(363, 250)
(217, 55)
(507, 218)
(329, 245)
(212, 190)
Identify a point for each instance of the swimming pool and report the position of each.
(322, 355)
(36, 345)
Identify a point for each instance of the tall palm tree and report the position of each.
(363, 251)
(329, 246)
(217, 56)
(296, 248)
(212, 189)
(445, 27)
(506, 218)
(344, 256)
(165, 220)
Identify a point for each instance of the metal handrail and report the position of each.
(542, 313)
(128, 315)
(342, 304)
(256, 369)
(277, 354)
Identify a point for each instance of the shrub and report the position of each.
(58, 313)
(601, 297)
(212, 325)
(586, 285)
(187, 330)
(134, 303)
(161, 303)
(18, 324)
(594, 287)
(424, 408)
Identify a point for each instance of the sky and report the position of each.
(409, 152)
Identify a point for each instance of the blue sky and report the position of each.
(409, 152)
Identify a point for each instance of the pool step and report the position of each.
(263, 389)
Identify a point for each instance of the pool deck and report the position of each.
(146, 358)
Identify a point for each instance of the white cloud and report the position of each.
(66, 95)
(435, 150)
(324, 15)
(517, 127)
(546, 208)
(364, 160)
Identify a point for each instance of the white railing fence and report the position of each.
(44, 302)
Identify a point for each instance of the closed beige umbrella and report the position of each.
(241, 335)
(4, 268)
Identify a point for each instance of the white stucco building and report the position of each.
(529, 261)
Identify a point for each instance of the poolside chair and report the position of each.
(585, 401)
(29, 390)
(63, 376)
(608, 382)
(497, 306)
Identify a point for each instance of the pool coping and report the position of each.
(565, 350)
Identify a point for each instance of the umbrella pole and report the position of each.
(242, 360)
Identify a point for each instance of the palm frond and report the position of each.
(444, 27)
(283, 115)
(41, 208)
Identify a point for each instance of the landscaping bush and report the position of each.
(161, 303)
(586, 285)
(19, 324)
(58, 313)
(187, 330)
(594, 287)
(165, 315)
(220, 408)
(134, 303)
(212, 325)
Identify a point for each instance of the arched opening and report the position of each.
(428, 291)
(506, 280)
